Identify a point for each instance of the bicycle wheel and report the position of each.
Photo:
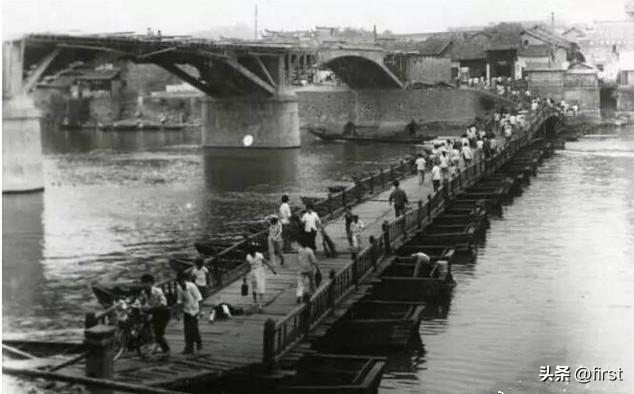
(121, 339)
(147, 345)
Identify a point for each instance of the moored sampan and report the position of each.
(372, 324)
(410, 282)
(330, 373)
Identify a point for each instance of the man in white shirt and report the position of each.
(311, 222)
(285, 219)
(200, 275)
(188, 298)
(436, 176)
(420, 167)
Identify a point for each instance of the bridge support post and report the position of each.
(273, 122)
(21, 145)
(99, 360)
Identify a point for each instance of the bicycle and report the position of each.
(134, 332)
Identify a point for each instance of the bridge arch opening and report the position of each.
(360, 72)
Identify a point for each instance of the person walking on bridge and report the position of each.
(311, 222)
(420, 167)
(285, 220)
(306, 271)
(154, 302)
(399, 198)
(275, 240)
(189, 298)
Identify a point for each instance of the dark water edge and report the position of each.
(553, 285)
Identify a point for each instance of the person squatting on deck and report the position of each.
(312, 223)
(188, 299)
(307, 262)
(154, 302)
(285, 220)
(275, 240)
(399, 198)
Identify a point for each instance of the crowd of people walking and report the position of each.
(287, 229)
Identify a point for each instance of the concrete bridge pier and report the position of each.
(21, 129)
(21, 146)
(273, 122)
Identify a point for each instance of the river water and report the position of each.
(553, 284)
(116, 203)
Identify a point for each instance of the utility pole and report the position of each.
(255, 29)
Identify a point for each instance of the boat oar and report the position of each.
(17, 352)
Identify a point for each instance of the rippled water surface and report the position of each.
(553, 284)
(116, 203)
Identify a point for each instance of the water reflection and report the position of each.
(22, 237)
(238, 170)
(87, 140)
(116, 204)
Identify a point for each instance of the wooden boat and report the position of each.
(404, 253)
(478, 219)
(410, 282)
(372, 325)
(213, 248)
(330, 373)
(459, 249)
(106, 295)
(463, 234)
(400, 138)
(493, 199)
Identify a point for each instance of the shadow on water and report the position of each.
(87, 140)
(237, 170)
(22, 237)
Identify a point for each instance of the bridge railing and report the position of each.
(282, 335)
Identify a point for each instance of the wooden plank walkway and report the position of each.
(238, 342)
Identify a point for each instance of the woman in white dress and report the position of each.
(257, 275)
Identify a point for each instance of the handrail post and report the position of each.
(268, 345)
(306, 315)
(99, 341)
(373, 252)
(429, 207)
(371, 184)
(386, 236)
(355, 269)
(343, 198)
(90, 320)
(331, 293)
(329, 202)
(419, 215)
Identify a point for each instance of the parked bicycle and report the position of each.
(134, 331)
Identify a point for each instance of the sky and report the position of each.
(187, 16)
